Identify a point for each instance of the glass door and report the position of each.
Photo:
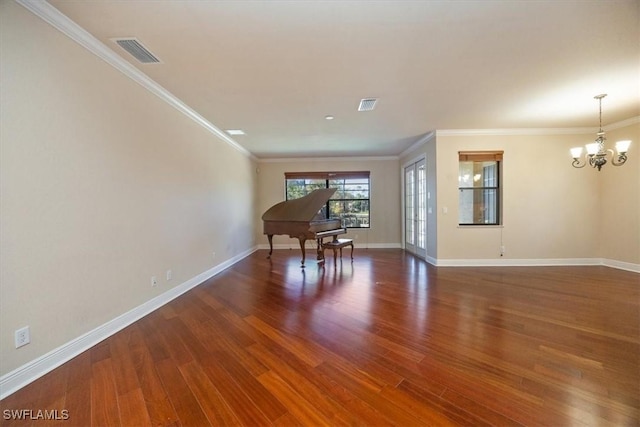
(415, 208)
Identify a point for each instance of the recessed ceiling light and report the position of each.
(235, 132)
(329, 117)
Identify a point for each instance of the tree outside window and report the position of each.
(351, 201)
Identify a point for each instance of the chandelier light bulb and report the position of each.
(576, 152)
(592, 148)
(623, 146)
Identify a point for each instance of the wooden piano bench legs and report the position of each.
(336, 244)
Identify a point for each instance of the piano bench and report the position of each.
(336, 244)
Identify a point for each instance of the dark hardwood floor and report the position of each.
(385, 340)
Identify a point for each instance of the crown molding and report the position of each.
(515, 131)
(61, 22)
(536, 131)
(622, 124)
(326, 159)
(426, 138)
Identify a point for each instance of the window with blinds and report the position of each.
(351, 201)
(479, 200)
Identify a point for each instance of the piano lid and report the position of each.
(303, 209)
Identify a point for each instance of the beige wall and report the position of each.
(620, 202)
(103, 185)
(551, 210)
(385, 197)
(547, 204)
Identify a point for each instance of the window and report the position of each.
(350, 202)
(479, 188)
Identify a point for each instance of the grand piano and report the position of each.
(300, 220)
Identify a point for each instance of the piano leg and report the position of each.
(320, 254)
(270, 237)
(302, 240)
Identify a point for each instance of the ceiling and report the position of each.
(275, 69)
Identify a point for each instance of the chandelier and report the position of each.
(596, 155)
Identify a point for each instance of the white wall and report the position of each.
(103, 185)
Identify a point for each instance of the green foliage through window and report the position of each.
(351, 201)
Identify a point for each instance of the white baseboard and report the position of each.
(505, 262)
(621, 265)
(497, 262)
(31, 371)
(431, 260)
(312, 245)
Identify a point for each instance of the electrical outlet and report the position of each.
(154, 281)
(501, 250)
(22, 337)
(169, 275)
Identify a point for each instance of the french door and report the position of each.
(415, 208)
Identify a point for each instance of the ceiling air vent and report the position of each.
(137, 50)
(367, 104)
